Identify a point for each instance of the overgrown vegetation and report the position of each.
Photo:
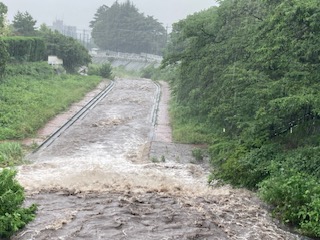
(68, 49)
(103, 70)
(12, 215)
(248, 85)
(156, 73)
(11, 154)
(31, 94)
(30, 49)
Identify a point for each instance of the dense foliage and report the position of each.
(122, 28)
(66, 48)
(3, 11)
(103, 70)
(12, 215)
(3, 51)
(30, 49)
(31, 94)
(4, 56)
(249, 86)
(24, 24)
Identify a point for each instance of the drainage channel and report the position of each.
(79, 115)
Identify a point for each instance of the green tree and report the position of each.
(122, 28)
(3, 12)
(248, 76)
(24, 24)
(3, 51)
(68, 49)
(3, 58)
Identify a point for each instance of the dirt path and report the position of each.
(97, 181)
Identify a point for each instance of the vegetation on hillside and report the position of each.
(248, 85)
(34, 88)
(24, 44)
(123, 28)
(73, 53)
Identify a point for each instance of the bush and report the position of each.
(12, 215)
(3, 58)
(198, 153)
(29, 49)
(305, 160)
(158, 73)
(295, 197)
(104, 70)
(148, 72)
(243, 167)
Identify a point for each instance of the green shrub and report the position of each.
(10, 154)
(295, 197)
(3, 58)
(197, 153)
(29, 49)
(243, 167)
(148, 72)
(104, 70)
(306, 159)
(93, 70)
(158, 73)
(12, 215)
(310, 217)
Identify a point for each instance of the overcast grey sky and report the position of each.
(80, 12)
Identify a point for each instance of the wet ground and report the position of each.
(114, 176)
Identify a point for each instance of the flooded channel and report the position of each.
(110, 176)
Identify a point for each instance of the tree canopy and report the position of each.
(123, 28)
(66, 48)
(3, 51)
(249, 78)
(24, 24)
(3, 12)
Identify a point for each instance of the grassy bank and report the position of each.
(31, 94)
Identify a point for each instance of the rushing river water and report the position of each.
(96, 181)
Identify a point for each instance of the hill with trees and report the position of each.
(123, 28)
(248, 85)
(24, 43)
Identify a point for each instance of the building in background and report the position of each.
(82, 35)
(69, 31)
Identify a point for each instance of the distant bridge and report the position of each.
(130, 61)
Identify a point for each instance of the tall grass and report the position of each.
(10, 154)
(28, 100)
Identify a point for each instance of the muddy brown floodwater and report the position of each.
(97, 180)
